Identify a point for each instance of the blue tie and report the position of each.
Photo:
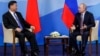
(18, 22)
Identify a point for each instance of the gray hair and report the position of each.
(84, 5)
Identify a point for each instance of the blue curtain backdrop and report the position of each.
(50, 15)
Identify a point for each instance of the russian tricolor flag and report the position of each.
(70, 8)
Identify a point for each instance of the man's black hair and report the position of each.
(11, 3)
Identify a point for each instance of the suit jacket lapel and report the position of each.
(79, 19)
(12, 18)
(85, 17)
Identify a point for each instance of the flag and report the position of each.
(70, 8)
(32, 15)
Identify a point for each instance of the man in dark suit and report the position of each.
(14, 20)
(83, 22)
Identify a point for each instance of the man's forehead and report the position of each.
(82, 5)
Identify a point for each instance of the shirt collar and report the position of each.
(11, 12)
(83, 13)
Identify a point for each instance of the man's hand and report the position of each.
(32, 27)
(73, 27)
(84, 27)
(18, 29)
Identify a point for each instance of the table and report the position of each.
(64, 43)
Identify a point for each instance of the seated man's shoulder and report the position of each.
(18, 12)
(6, 13)
(77, 14)
(89, 13)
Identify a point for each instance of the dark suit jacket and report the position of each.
(9, 21)
(88, 21)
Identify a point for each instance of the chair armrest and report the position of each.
(94, 33)
(90, 34)
(91, 30)
(9, 35)
(8, 31)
